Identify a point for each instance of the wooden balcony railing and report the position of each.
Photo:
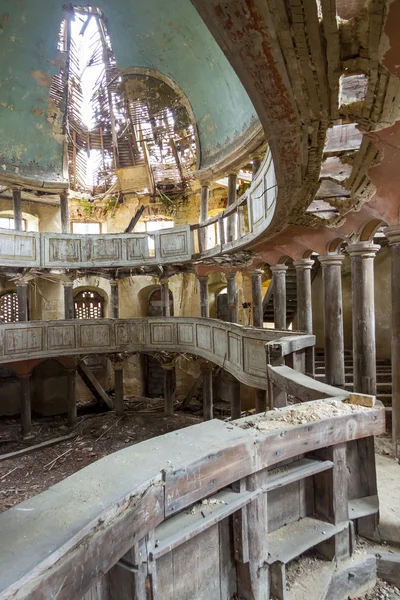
(233, 228)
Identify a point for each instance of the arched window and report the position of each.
(9, 307)
(89, 305)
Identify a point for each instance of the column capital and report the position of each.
(363, 249)
(21, 283)
(393, 234)
(256, 273)
(279, 268)
(331, 259)
(163, 280)
(203, 278)
(68, 283)
(205, 365)
(205, 184)
(303, 263)
(114, 282)
(230, 276)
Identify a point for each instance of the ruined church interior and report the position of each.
(200, 300)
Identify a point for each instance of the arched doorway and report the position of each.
(154, 382)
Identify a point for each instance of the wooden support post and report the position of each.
(119, 387)
(276, 396)
(304, 307)
(331, 500)
(207, 377)
(234, 396)
(71, 396)
(258, 321)
(17, 209)
(166, 309)
(362, 257)
(257, 300)
(204, 199)
(232, 183)
(232, 297)
(253, 577)
(22, 295)
(204, 306)
(333, 318)
(26, 417)
(69, 310)
(168, 389)
(279, 291)
(261, 401)
(114, 304)
(393, 235)
(64, 210)
(368, 526)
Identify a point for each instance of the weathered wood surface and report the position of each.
(388, 567)
(278, 446)
(240, 350)
(301, 386)
(67, 536)
(357, 578)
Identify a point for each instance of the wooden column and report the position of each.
(17, 210)
(234, 397)
(207, 379)
(257, 299)
(204, 306)
(258, 321)
(253, 570)
(168, 389)
(64, 210)
(393, 235)
(333, 318)
(362, 256)
(114, 303)
(304, 306)
(279, 283)
(165, 298)
(119, 387)
(69, 311)
(26, 418)
(71, 396)
(255, 165)
(232, 297)
(22, 295)
(232, 182)
(204, 198)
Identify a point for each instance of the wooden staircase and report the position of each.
(383, 376)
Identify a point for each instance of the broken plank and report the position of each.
(30, 449)
(91, 382)
(388, 567)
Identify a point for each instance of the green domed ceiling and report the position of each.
(168, 37)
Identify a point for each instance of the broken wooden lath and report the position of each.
(110, 131)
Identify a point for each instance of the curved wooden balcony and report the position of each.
(240, 350)
(232, 229)
(121, 522)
